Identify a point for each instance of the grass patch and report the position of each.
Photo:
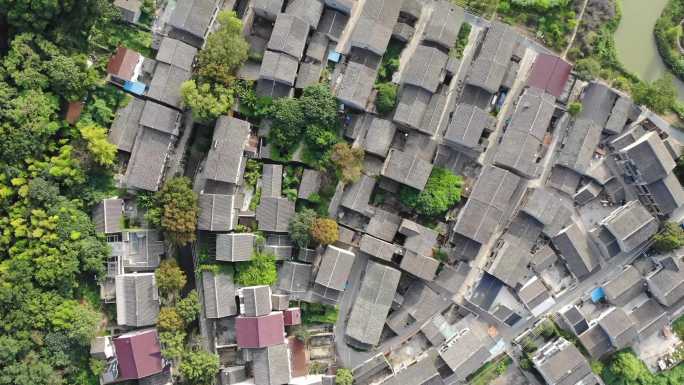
(490, 371)
(316, 313)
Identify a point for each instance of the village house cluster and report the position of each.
(555, 224)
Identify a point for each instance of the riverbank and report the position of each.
(668, 35)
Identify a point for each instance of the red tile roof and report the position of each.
(73, 112)
(259, 332)
(549, 73)
(123, 63)
(138, 354)
(292, 316)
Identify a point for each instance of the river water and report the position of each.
(635, 43)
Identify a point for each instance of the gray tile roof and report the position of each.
(160, 118)
(445, 22)
(667, 193)
(418, 238)
(372, 304)
(467, 126)
(469, 349)
(543, 259)
(193, 16)
(421, 266)
(225, 160)
(294, 277)
(596, 341)
(411, 106)
(271, 180)
(650, 157)
(579, 145)
(419, 373)
(573, 245)
(279, 67)
(271, 365)
(310, 184)
(383, 225)
(107, 216)
(432, 118)
(587, 193)
(357, 196)
(522, 140)
(420, 303)
(137, 299)
(649, 318)
(289, 35)
(619, 115)
(126, 125)
(219, 295)
(561, 363)
(379, 136)
(280, 301)
(377, 247)
(280, 245)
(403, 32)
(176, 53)
(268, 8)
(309, 74)
(619, 328)
(274, 214)
(407, 168)
(217, 212)
(510, 263)
(425, 68)
(534, 294)
(597, 103)
(332, 23)
(667, 285)
(549, 209)
(374, 26)
(317, 49)
(564, 179)
(489, 68)
(625, 287)
(308, 10)
(356, 85)
(451, 278)
(256, 301)
(166, 84)
(631, 225)
(335, 268)
(235, 247)
(148, 159)
(141, 249)
(487, 204)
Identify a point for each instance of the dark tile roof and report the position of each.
(667, 285)
(235, 247)
(137, 299)
(271, 180)
(274, 214)
(579, 145)
(667, 193)
(294, 277)
(489, 68)
(176, 53)
(166, 84)
(271, 365)
(148, 159)
(619, 328)
(407, 168)
(356, 85)
(534, 294)
(332, 23)
(126, 125)
(379, 136)
(425, 68)
(451, 278)
(374, 25)
(411, 106)
(573, 245)
(372, 304)
(335, 268)
(467, 126)
(356, 197)
(469, 350)
(597, 103)
(219, 295)
(317, 49)
(649, 318)
(596, 341)
(522, 140)
(510, 263)
(225, 160)
(631, 225)
(160, 118)
(217, 212)
(268, 8)
(308, 10)
(309, 74)
(549, 209)
(619, 115)
(383, 225)
(561, 363)
(107, 216)
(487, 204)
(289, 35)
(279, 67)
(549, 73)
(421, 266)
(650, 157)
(256, 301)
(445, 22)
(310, 184)
(432, 118)
(377, 247)
(193, 16)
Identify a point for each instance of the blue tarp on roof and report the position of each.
(597, 294)
(134, 87)
(334, 56)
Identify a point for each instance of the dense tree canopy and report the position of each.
(348, 162)
(224, 52)
(175, 210)
(199, 368)
(671, 238)
(261, 270)
(206, 101)
(659, 96)
(170, 278)
(324, 231)
(386, 98)
(442, 191)
(300, 227)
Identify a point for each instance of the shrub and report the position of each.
(300, 227)
(386, 98)
(169, 320)
(170, 278)
(261, 270)
(325, 231)
(441, 192)
(348, 160)
(199, 368)
(175, 210)
(344, 377)
(671, 238)
(189, 307)
(575, 108)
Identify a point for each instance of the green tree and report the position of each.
(261, 270)
(344, 377)
(172, 344)
(224, 52)
(102, 150)
(300, 227)
(348, 162)
(625, 368)
(288, 124)
(319, 106)
(170, 278)
(325, 231)
(575, 108)
(189, 307)
(659, 96)
(169, 320)
(386, 98)
(32, 370)
(199, 368)
(679, 169)
(671, 238)
(587, 69)
(176, 210)
(207, 102)
(78, 320)
(441, 192)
